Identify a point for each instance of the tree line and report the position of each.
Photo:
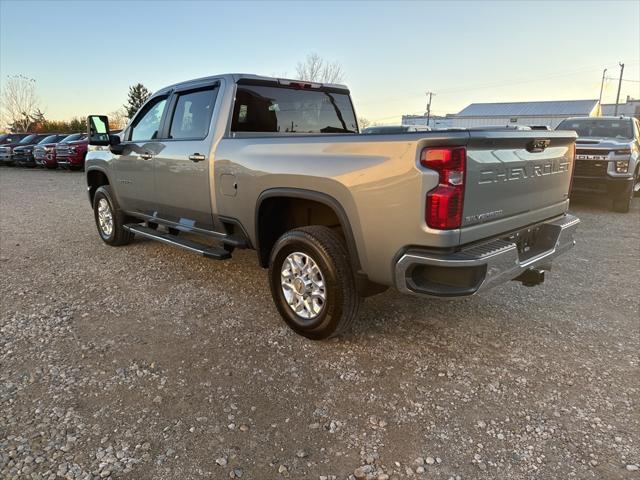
(21, 111)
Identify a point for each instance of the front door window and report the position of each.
(147, 125)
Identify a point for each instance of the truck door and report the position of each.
(134, 167)
(183, 193)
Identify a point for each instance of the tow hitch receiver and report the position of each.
(531, 277)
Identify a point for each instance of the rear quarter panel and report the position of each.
(376, 179)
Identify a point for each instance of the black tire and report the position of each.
(342, 302)
(636, 185)
(117, 235)
(622, 205)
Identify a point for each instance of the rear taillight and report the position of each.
(444, 203)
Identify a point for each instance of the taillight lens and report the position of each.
(444, 203)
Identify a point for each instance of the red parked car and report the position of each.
(46, 148)
(48, 157)
(70, 154)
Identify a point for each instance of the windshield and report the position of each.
(49, 139)
(28, 138)
(71, 138)
(599, 128)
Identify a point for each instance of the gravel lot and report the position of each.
(148, 362)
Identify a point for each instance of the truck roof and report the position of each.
(235, 77)
(594, 119)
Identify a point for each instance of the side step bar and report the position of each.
(217, 253)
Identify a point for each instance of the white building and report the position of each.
(435, 121)
(631, 108)
(549, 113)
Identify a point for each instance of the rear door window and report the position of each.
(262, 108)
(192, 115)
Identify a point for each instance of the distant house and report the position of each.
(631, 108)
(549, 113)
(435, 121)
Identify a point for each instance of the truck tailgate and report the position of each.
(514, 179)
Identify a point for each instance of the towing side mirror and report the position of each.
(98, 130)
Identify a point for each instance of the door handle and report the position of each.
(146, 156)
(196, 157)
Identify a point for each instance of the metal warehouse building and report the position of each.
(524, 113)
(631, 108)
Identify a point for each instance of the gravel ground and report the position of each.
(148, 362)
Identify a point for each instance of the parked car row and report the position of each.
(50, 150)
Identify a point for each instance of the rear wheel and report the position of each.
(312, 282)
(109, 218)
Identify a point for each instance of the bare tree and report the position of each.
(118, 118)
(317, 69)
(363, 122)
(20, 102)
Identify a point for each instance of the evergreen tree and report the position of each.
(138, 94)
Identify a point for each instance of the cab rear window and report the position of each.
(267, 109)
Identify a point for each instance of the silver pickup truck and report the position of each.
(607, 158)
(279, 166)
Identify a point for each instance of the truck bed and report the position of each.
(379, 182)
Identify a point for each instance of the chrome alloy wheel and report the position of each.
(303, 285)
(105, 217)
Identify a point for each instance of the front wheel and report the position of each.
(312, 282)
(109, 218)
(622, 206)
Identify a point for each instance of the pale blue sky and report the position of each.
(84, 55)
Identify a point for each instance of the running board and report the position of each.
(217, 253)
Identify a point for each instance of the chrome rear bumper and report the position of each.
(485, 265)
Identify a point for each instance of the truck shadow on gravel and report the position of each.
(598, 203)
(386, 315)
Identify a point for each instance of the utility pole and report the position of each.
(615, 113)
(430, 95)
(601, 88)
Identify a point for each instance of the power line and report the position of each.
(504, 84)
(479, 87)
(518, 82)
(624, 80)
